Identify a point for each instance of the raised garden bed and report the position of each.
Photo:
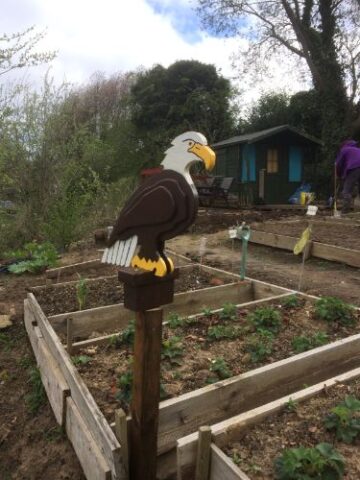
(246, 447)
(182, 414)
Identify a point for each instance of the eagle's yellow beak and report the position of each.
(205, 154)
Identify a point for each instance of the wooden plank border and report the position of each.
(228, 430)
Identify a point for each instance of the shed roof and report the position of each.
(262, 134)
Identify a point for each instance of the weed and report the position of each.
(82, 292)
(332, 309)
(304, 343)
(259, 346)
(36, 398)
(342, 419)
(38, 257)
(221, 368)
(207, 312)
(228, 312)
(174, 320)
(81, 360)
(219, 332)
(265, 319)
(292, 301)
(125, 382)
(322, 462)
(171, 349)
(291, 405)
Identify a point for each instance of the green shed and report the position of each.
(268, 165)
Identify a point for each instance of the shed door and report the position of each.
(275, 175)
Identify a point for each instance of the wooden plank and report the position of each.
(203, 454)
(73, 268)
(213, 403)
(70, 282)
(273, 240)
(95, 420)
(228, 430)
(91, 459)
(121, 432)
(53, 380)
(222, 468)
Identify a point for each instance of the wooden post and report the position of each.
(203, 454)
(146, 394)
(121, 433)
(69, 335)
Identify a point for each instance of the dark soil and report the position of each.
(257, 449)
(56, 299)
(191, 368)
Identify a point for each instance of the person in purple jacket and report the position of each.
(348, 168)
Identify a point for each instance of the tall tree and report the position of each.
(188, 95)
(322, 34)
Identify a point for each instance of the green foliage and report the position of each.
(6, 341)
(174, 320)
(228, 312)
(172, 348)
(37, 396)
(207, 312)
(304, 343)
(219, 332)
(322, 462)
(81, 359)
(265, 319)
(344, 421)
(259, 346)
(292, 301)
(125, 382)
(291, 405)
(81, 292)
(332, 309)
(126, 337)
(221, 368)
(41, 256)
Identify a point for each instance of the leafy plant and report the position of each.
(332, 309)
(174, 320)
(6, 341)
(126, 337)
(218, 332)
(265, 318)
(171, 349)
(221, 368)
(291, 405)
(259, 346)
(81, 292)
(228, 312)
(38, 256)
(36, 398)
(322, 462)
(125, 382)
(292, 301)
(81, 360)
(303, 343)
(342, 419)
(206, 311)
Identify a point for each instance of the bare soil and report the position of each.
(189, 365)
(257, 449)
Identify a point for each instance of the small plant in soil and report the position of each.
(82, 292)
(6, 342)
(172, 348)
(219, 332)
(333, 310)
(259, 346)
(292, 301)
(81, 360)
(207, 312)
(36, 398)
(344, 420)
(221, 368)
(124, 383)
(228, 312)
(322, 462)
(174, 321)
(291, 405)
(304, 343)
(265, 319)
(126, 337)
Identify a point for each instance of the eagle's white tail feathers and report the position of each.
(121, 252)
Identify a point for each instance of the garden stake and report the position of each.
(245, 236)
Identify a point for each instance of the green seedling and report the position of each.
(125, 382)
(126, 337)
(36, 398)
(174, 321)
(172, 349)
(228, 312)
(220, 332)
(265, 319)
(333, 310)
(81, 360)
(292, 301)
(343, 420)
(322, 462)
(259, 346)
(207, 312)
(221, 368)
(291, 405)
(82, 292)
(304, 343)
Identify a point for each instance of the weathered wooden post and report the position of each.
(161, 208)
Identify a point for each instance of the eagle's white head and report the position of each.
(187, 149)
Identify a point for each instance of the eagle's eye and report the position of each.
(191, 143)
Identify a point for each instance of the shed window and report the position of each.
(272, 164)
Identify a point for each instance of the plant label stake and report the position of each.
(304, 245)
(162, 207)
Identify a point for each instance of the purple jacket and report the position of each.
(348, 158)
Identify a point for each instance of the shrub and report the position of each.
(265, 318)
(332, 309)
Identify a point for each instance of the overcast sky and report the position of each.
(122, 35)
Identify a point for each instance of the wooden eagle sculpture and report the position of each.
(164, 206)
